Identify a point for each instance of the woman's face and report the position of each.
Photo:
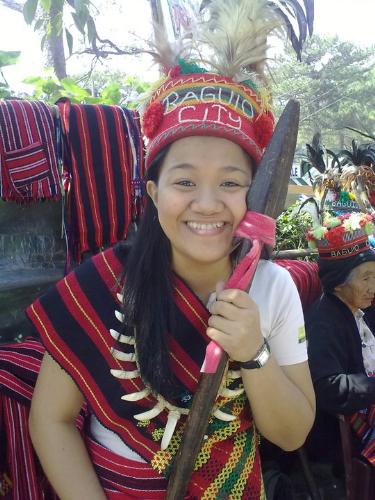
(201, 198)
(359, 291)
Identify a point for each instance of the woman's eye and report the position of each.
(230, 184)
(185, 183)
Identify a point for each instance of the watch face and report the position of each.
(263, 357)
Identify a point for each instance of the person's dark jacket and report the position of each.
(335, 358)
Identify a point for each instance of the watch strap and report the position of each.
(260, 358)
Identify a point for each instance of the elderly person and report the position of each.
(341, 345)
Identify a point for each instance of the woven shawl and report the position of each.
(28, 157)
(103, 165)
(74, 319)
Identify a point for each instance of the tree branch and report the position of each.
(12, 4)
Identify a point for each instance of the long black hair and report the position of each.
(148, 295)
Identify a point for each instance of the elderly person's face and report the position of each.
(359, 289)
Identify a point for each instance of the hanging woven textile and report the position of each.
(28, 152)
(103, 167)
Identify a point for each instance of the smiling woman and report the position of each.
(201, 198)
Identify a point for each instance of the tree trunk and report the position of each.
(55, 53)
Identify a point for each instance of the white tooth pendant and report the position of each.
(154, 412)
(123, 374)
(136, 396)
(119, 316)
(173, 418)
(233, 374)
(120, 297)
(231, 393)
(123, 339)
(224, 416)
(123, 356)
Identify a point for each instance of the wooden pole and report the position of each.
(294, 253)
(266, 195)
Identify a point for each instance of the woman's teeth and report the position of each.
(198, 226)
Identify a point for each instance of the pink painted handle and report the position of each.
(261, 230)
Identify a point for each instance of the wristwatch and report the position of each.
(260, 359)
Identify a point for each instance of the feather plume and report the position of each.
(164, 52)
(231, 37)
(236, 32)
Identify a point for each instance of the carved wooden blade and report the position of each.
(266, 195)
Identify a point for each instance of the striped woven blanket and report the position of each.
(103, 167)
(28, 157)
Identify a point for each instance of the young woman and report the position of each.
(127, 331)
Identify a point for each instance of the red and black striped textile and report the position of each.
(103, 168)
(74, 319)
(19, 368)
(28, 152)
(306, 279)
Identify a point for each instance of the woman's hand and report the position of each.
(235, 324)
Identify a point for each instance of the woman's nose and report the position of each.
(207, 201)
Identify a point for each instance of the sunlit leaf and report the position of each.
(74, 90)
(58, 23)
(69, 41)
(8, 58)
(38, 24)
(91, 30)
(34, 80)
(78, 22)
(112, 94)
(43, 41)
(29, 10)
(79, 5)
(46, 4)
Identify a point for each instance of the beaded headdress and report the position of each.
(341, 237)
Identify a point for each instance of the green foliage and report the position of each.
(8, 58)
(29, 10)
(105, 89)
(335, 83)
(291, 228)
(49, 17)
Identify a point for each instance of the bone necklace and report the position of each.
(174, 412)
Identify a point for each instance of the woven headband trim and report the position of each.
(345, 252)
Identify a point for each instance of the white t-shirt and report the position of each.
(281, 315)
(282, 324)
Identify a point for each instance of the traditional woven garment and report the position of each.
(19, 367)
(305, 277)
(103, 165)
(28, 158)
(83, 306)
(363, 424)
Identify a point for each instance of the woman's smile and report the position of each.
(206, 228)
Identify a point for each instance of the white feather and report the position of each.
(236, 35)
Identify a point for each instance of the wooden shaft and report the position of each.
(203, 403)
(293, 253)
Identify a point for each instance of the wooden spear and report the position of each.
(267, 196)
